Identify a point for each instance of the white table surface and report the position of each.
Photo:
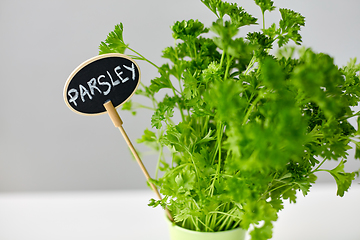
(114, 215)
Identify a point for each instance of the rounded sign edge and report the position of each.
(87, 62)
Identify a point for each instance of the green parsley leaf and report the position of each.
(114, 41)
(343, 179)
(290, 24)
(265, 5)
(185, 30)
(161, 82)
(164, 112)
(129, 107)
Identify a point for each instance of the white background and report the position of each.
(46, 147)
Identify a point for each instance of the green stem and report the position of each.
(206, 125)
(317, 169)
(158, 162)
(195, 50)
(143, 58)
(271, 190)
(154, 101)
(253, 105)
(263, 18)
(228, 63)
(227, 214)
(180, 109)
(220, 127)
(236, 224)
(251, 64)
(174, 89)
(143, 106)
(270, 184)
(219, 138)
(222, 59)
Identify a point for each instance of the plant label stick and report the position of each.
(115, 118)
(101, 83)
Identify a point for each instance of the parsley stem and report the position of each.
(206, 125)
(195, 50)
(179, 106)
(317, 168)
(250, 109)
(158, 162)
(228, 63)
(219, 138)
(220, 132)
(146, 107)
(251, 64)
(271, 190)
(263, 17)
(143, 58)
(222, 59)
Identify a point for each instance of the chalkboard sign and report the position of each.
(112, 76)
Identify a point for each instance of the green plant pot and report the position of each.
(179, 233)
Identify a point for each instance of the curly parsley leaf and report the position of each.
(238, 16)
(265, 5)
(226, 31)
(185, 30)
(320, 80)
(164, 112)
(290, 25)
(260, 39)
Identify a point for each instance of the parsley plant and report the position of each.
(254, 128)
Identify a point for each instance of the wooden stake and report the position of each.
(115, 118)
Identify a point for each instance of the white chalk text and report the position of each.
(103, 84)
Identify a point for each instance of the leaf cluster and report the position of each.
(253, 128)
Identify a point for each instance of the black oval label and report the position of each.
(112, 76)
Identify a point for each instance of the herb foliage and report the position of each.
(253, 125)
